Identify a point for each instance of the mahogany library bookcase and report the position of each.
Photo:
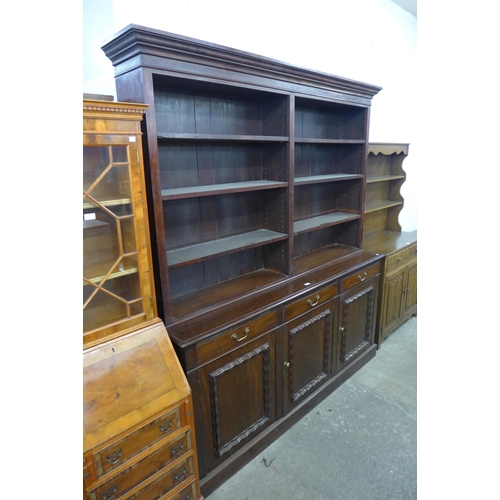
(256, 178)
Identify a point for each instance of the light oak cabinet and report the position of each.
(256, 179)
(138, 428)
(138, 425)
(382, 234)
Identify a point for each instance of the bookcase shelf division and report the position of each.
(248, 159)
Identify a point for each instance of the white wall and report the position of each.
(368, 40)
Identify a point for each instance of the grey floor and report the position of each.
(360, 443)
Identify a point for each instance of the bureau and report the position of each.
(138, 428)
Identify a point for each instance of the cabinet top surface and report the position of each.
(127, 381)
(136, 46)
(387, 242)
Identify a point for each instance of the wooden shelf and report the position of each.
(382, 205)
(384, 178)
(223, 137)
(96, 273)
(312, 140)
(314, 179)
(216, 189)
(110, 202)
(313, 223)
(223, 246)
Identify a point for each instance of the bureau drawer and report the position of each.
(400, 258)
(129, 478)
(190, 492)
(121, 451)
(164, 484)
(310, 301)
(360, 276)
(235, 337)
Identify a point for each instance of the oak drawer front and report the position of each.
(235, 337)
(310, 301)
(190, 492)
(360, 276)
(164, 484)
(129, 478)
(400, 258)
(121, 451)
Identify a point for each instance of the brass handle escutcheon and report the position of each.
(114, 457)
(167, 426)
(235, 335)
(180, 475)
(362, 278)
(315, 303)
(109, 494)
(177, 449)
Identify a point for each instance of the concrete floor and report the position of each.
(360, 443)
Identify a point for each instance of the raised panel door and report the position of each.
(237, 399)
(410, 290)
(357, 321)
(307, 352)
(393, 295)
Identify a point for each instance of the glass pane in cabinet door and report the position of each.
(111, 290)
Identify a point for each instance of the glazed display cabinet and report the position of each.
(383, 234)
(256, 178)
(118, 292)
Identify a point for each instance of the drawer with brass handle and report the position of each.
(360, 276)
(235, 337)
(310, 301)
(122, 482)
(119, 452)
(168, 481)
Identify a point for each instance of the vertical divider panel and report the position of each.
(291, 181)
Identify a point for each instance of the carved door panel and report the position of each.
(356, 330)
(307, 354)
(237, 399)
(393, 304)
(410, 290)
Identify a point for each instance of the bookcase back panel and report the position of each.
(342, 234)
(323, 120)
(218, 109)
(196, 163)
(325, 159)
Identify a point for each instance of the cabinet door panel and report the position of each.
(307, 354)
(411, 287)
(237, 398)
(393, 308)
(357, 321)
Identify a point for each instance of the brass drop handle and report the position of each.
(287, 364)
(177, 449)
(180, 475)
(109, 494)
(400, 259)
(341, 329)
(235, 335)
(362, 278)
(166, 427)
(114, 457)
(315, 303)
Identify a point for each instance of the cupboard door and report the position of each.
(410, 290)
(307, 354)
(356, 321)
(393, 303)
(237, 399)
